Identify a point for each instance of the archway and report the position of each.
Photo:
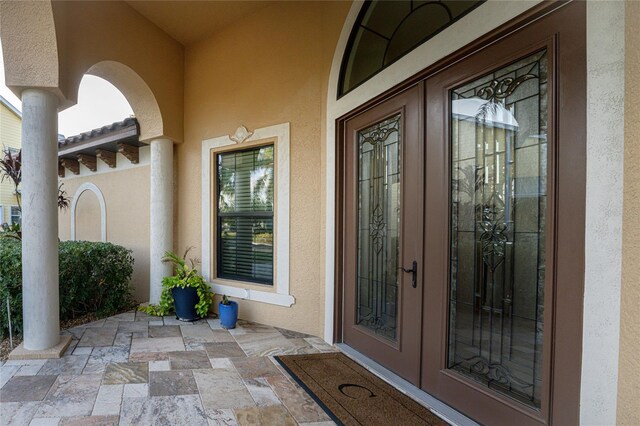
(87, 186)
(136, 91)
(158, 156)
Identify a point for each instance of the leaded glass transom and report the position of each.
(387, 30)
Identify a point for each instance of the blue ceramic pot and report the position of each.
(228, 314)
(185, 301)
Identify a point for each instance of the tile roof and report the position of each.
(125, 124)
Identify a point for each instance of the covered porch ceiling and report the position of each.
(189, 22)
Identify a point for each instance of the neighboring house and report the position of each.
(448, 190)
(10, 136)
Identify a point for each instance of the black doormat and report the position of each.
(351, 395)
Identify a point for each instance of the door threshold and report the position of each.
(436, 406)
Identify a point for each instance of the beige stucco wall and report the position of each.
(153, 61)
(126, 195)
(629, 368)
(10, 137)
(269, 68)
(67, 39)
(39, 68)
(88, 217)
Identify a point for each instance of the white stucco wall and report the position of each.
(603, 233)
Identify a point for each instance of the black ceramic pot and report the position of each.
(185, 300)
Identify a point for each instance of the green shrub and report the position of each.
(94, 278)
(10, 284)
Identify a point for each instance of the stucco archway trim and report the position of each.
(138, 94)
(88, 186)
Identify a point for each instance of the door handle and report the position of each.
(414, 273)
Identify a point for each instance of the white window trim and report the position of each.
(11, 222)
(88, 186)
(282, 296)
(1, 214)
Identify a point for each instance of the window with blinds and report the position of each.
(244, 196)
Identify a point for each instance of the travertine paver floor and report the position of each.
(133, 369)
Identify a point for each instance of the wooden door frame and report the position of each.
(563, 36)
(536, 12)
(564, 407)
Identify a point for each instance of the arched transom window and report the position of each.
(387, 30)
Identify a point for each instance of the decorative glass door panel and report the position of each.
(497, 247)
(383, 187)
(460, 223)
(379, 226)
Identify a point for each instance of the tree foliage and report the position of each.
(11, 169)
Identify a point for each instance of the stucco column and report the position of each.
(40, 291)
(161, 218)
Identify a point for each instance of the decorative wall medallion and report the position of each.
(241, 135)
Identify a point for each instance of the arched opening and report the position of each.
(136, 91)
(47, 75)
(104, 158)
(99, 103)
(88, 214)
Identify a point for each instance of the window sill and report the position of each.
(222, 287)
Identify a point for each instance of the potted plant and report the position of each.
(228, 312)
(186, 292)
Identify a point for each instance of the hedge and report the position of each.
(94, 278)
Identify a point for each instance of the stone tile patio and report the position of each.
(132, 369)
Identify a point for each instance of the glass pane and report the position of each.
(245, 214)
(387, 30)
(246, 248)
(379, 226)
(426, 19)
(245, 180)
(498, 195)
(360, 67)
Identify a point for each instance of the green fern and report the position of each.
(185, 277)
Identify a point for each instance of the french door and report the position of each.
(383, 197)
(463, 222)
